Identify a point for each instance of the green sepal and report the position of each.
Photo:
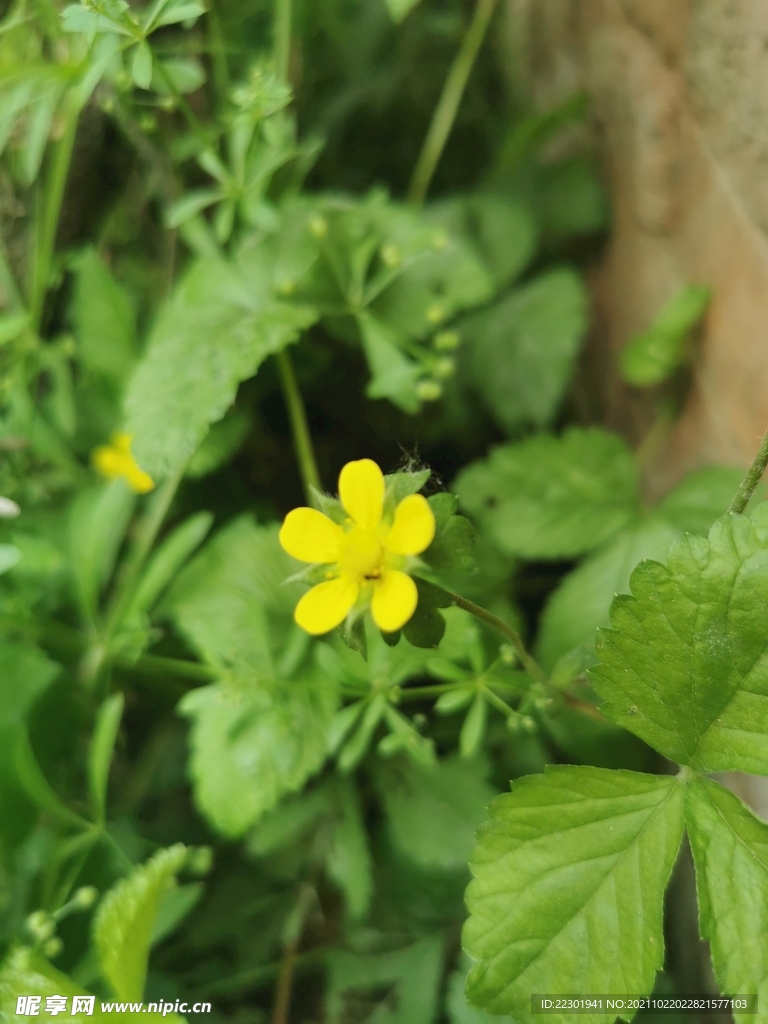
(329, 506)
(400, 485)
(391, 639)
(352, 632)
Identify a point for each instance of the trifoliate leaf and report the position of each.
(251, 746)
(684, 665)
(582, 602)
(730, 850)
(567, 897)
(553, 497)
(218, 327)
(399, 987)
(122, 928)
(522, 349)
(652, 356)
(103, 320)
(452, 796)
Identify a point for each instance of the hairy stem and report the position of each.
(448, 104)
(302, 439)
(752, 479)
(54, 196)
(282, 38)
(529, 663)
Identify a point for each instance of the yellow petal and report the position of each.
(108, 461)
(361, 489)
(394, 600)
(414, 527)
(122, 441)
(311, 536)
(139, 481)
(325, 606)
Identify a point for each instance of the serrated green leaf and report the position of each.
(581, 603)
(102, 747)
(250, 747)
(103, 319)
(523, 348)
(652, 356)
(567, 897)
(451, 797)
(730, 851)
(216, 330)
(393, 374)
(232, 601)
(398, 987)
(122, 927)
(553, 497)
(684, 665)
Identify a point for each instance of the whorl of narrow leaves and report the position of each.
(685, 666)
(567, 897)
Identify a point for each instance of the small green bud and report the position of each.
(528, 724)
(318, 227)
(508, 654)
(440, 240)
(428, 390)
(85, 897)
(390, 255)
(53, 947)
(200, 860)
(41, 925)
(446, 341)
(435, 314)
(444, 368)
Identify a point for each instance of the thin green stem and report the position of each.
(302, 439)
(752, 479)
(54, 196)
(148, 531)
(529, 663)
(282, 38)
(415, 692)
(448, 104)
(191, 117)
(158, 666)
(218, 53)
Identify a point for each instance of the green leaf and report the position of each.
(122, 927)
(216, 330)
(103, 320)
(186, 74)
(700, 498)
(570, 873)
(393, 374)
(220, 444)
(426, 626)
(451, 797)
(348, 859)
(232, 602)
(101, 750)
(684, 666)
(399, 987)
(174, 905)
(249, 748)
(170, 556)
(97, 523)
(451, 549)
(400, 485)
(399, 9)
(522, 349)
(653, 356)
(26, 972)
(730, 850)
(141, 65)
(581, 603)
(460, 1011)
(553, 497)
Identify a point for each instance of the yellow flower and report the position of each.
(366, 555)
(116, 460)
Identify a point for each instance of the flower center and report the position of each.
(361, 553)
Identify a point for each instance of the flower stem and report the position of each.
(448, 104)
(302, 439)
(529, 663)
(54, 196)
(752, 479)
(282, 38)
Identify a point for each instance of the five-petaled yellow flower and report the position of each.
(366, 555)
(116, 460)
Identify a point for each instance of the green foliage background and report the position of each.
(213, 238)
